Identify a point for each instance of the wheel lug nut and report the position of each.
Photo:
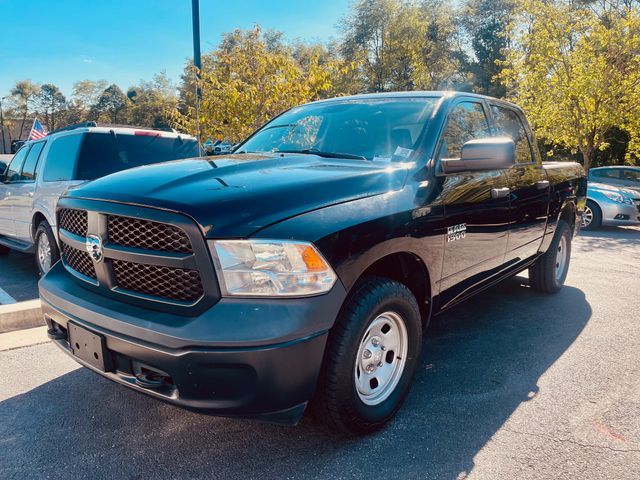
(380, 364)
(383, 348)
(375, 341)
(366, 353)
(370, 368)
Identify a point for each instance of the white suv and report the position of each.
(42, 170)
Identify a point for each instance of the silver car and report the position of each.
(43, 169)
(609, 205)
(623, 177)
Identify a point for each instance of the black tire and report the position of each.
(4, 250)
(337, 402)
(45, 229)
(542, 274)
(596, 220)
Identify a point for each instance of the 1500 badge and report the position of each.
(456, 232)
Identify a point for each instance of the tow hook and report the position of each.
(149, 380)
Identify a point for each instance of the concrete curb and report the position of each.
(21, 315)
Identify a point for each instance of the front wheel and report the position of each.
(550, 270)
(592, 216)
(370, 359)
(46, 248)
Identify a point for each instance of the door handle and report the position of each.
(542, 184)
(500, 192)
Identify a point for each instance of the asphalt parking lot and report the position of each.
(512, 384)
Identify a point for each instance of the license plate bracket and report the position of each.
(89, 347)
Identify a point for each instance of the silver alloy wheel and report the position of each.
(587, 217)
(381, 358)
(562, 257)
(44, 253)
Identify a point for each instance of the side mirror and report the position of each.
(482, 154)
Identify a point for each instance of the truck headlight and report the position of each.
(270, 268)
(618, 198)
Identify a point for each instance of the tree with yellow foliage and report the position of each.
(245, 82)
(575, 69)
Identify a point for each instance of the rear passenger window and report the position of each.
(509, 124)
(61, 159)
(466, 121)
(29, 168)
(13, 171)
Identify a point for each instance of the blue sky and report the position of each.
(124, 41)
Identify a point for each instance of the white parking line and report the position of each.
(5, 298)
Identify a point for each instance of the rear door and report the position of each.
(24, 190)
(7, 192)
(527, 180)
(477, 221)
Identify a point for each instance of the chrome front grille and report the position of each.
(151, 259)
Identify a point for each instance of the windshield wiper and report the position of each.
(320, 153)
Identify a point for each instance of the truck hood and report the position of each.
(236, 195)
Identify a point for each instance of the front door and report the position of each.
(7, 191)
(476, 208)
(23, 192)
(529, 186)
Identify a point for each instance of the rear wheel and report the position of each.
(370, 358)
(592, 216)
(549, 272)
(46, 249)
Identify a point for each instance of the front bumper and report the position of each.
(619, 214)
(242, 357)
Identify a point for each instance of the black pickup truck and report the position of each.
(303, 268)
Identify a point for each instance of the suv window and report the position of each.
(13, 171)
(466, 121)
(105, 153)
(509, 124)
(29, 168)
(61, 159)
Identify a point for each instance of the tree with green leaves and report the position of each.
(486, 23)
(112, 106)
(152, 102)
(24, 95)
(576, 71)
(51, 103)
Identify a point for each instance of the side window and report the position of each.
(633, 175)
(61, 159)
(610, 173)
(509, 124)
(29, 168)
(466, 121)
(13, 172)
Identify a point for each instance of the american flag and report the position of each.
(37, 130)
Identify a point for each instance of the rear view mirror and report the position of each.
(482, 154)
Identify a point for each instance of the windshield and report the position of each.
(372, 129)
(103, 154)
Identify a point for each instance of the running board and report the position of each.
(17, 245)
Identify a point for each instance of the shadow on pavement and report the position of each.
(609, 238)
(481, 361)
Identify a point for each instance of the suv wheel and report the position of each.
(46, 249)
(370, 359)
(549, 272)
